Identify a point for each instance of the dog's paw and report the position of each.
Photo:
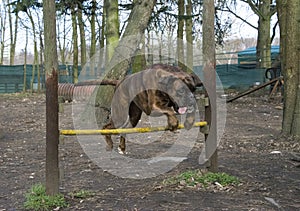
(121, 152)
(172, 127)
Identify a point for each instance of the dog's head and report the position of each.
(180, 87)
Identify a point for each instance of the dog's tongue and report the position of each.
(182, 110)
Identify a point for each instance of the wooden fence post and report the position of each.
(51, 69)
(209, 73)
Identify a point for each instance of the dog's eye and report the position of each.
(181, 92)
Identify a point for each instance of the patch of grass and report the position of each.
(82, 194)
(37, 199)
(195, 178)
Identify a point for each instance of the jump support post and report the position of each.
(124, 130)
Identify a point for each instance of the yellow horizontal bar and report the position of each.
(123, 130)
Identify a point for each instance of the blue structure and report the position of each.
(247, 58)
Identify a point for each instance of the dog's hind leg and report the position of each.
(109, 142)
(135, 114)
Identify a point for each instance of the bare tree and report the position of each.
(62, 32)
(2, 30)
(180, 26)
(264, 9)
(75, 43)
(81, 26)
(93, 28)
(13, 29)
(189, 36)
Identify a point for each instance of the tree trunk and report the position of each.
(2, 30)
(122, 57)
(93, 28)
(139, 62)
(25, 62)
(62, 44)
(111, 27)
(263, 47)
(288, 13)
(82, 36)
(189, 36)
(13, 35)
(102, 40)
(35, 53)
(180, 49)
(51, 65)
(264, 40)
(75, 45)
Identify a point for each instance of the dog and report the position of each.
(157, 90)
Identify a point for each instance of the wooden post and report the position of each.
(209, 73)
(51, 67)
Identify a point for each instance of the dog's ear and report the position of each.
(164, 77)
(196, 80)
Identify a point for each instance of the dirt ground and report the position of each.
(251, 149)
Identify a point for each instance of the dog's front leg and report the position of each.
(172, 122)
(172, 119)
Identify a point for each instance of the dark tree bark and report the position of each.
(180, 49)
(289, 19)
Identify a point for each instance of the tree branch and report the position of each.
(237, 16)
(274, 31)
(255, 9)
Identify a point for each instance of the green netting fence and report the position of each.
(233, 76)
(12, 77)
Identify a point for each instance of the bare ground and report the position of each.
(251, 149)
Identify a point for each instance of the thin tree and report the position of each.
(189, 36)
(81, 33)
(62, 38)
(13, 29)
(93, 28)
(25, 62)
(180, 29)
(75, 43)
(2, 30)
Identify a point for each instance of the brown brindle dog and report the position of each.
(157, 90)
